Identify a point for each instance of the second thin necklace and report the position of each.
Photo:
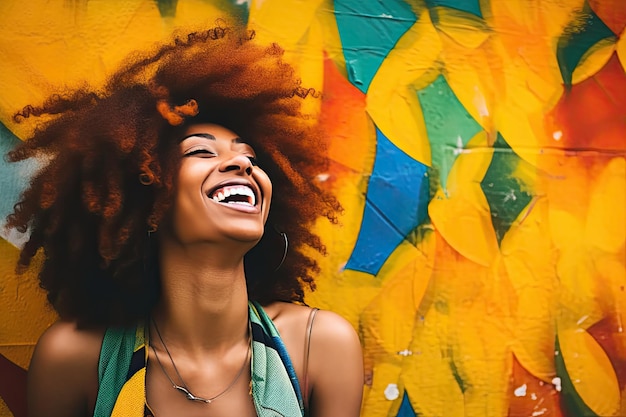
(183, 388)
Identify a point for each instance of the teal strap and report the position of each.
(275, 387)
(117, 350)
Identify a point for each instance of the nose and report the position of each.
(237, 162)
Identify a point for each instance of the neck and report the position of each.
(204, 300)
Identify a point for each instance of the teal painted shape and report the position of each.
(469, 6)
(406, 410)
(507, 195)
(573, 402)
(448, 124)
(231, 8)
(167, 8)
(368, 31)
(14, 178)
(578, 38)
(234, 8)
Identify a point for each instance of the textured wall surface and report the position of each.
(479, 151)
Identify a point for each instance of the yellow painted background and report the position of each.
(463, 318)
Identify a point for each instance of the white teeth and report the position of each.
(229, 191)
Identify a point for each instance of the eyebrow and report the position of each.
(200, 135)
(211, 137)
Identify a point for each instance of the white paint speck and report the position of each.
(510, 195)
(557, 135)
(520, 391)
(533, 396)
(323, 177)
(582, 319)
(459, 146)
(392, 392)
(539, 412)
(557, 383)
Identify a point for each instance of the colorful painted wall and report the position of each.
(479, 150)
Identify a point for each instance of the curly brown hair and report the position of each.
(109, 170)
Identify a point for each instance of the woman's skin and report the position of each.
(203, 311)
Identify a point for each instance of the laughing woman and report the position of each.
(174, 217)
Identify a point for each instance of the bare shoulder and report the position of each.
(63, 373)
(332, 328)
(290, 313)
(65, 338)
(66, 346)
(328, 328)
(287, 313)
(335, 366)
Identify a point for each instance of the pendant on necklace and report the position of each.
(190, 396)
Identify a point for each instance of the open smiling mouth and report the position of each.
(234, 194)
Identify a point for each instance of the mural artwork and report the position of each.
(479, 151)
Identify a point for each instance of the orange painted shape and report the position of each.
(531, 396)
(612, 80)
(344, 120)
(611, 12)
(592, 115)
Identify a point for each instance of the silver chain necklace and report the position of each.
(184, 389)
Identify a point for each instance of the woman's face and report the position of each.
(220, 192)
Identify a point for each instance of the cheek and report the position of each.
(187, 202)
(183, 197)
(266, 184)
(188, 184)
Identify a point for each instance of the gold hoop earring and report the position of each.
(286, 241)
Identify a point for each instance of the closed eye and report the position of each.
(203, 152)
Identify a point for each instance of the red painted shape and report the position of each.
(539, 396)
(613, 341)
(13, 386)
(611, 12)
(592, 115)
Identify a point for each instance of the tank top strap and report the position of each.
(275, 386)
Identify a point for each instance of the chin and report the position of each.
(251, 237)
